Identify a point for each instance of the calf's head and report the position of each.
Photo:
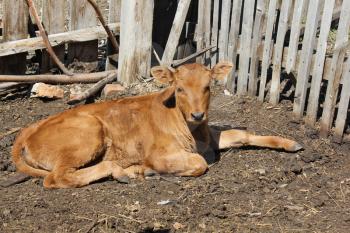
(191, 84)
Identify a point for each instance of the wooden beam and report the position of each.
(175, 32)
(25, 45)
(57, 79)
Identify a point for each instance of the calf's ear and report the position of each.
(220, 70)
(162, 74)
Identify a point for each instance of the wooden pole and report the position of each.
(175, 32)
(135, 40)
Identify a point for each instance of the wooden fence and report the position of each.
(72, 26)
(269, 41)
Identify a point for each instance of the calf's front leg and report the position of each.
(237, 138)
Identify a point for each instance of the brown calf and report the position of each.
(162, 132)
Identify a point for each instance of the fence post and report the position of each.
(233, 43)
(278, 52)
(15, 21)
(336, 70)
(305, 58)
(246, 38)
(202, 35)
(257, 31)
(53, 17)
(135, 40)
(113, 17)
(317, 72)
(82, 15)
(268, 45)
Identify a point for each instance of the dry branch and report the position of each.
(105, 26)
(58, 79)
(94, 89)
(43, 34)
(184, 60)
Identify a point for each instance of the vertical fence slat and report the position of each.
(15, 20)
(135, 40)
(257, 30)
(224, 29)
(246, 38)
(267, 48)
(175, 32)
(53, 17)
(294, 34)
(233, 42)
(335, 71)
(317, 72)
(113, 17)
(203, 28)
(214, 31)
(278, 51)
(82, 15)
(343, 105)
(306, 57)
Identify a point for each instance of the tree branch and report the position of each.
(93, 90)
(105, 26)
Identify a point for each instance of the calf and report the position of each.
(163, 132)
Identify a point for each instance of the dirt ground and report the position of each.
(248, 190)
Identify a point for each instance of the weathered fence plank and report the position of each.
(246, 38)
(53, 18)
(173, 39)
(135, 40)
(335, 71)
(233, 43)
(343, 105)
(306, 56)
(113, 17)
(294, 34)
(82, 15)
(278, 51)
(15, 20)
(82, 35)
(214, 31)
(257, 31)
(224, 29)
(266, 61)
(202, 35)
(317, 73)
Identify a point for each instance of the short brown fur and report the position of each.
(163, 132)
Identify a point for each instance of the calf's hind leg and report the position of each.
(67, 177)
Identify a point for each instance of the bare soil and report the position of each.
(248, 190)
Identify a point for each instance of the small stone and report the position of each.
(261, 171)
(178, 226)
(310, 158)
(6, 212)
(111, 89)
(43, 90)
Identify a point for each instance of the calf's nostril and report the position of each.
(197, 116)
